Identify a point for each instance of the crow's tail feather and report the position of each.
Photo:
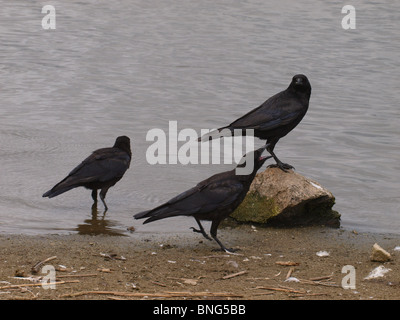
(161, 213)
(57, 190)
(159, 216)
(141, 215)
(214, 134)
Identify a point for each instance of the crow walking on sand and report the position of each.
(101, 170)
(213, 199)
(275, 118)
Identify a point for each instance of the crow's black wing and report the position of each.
(101, 166)
(279, 110)
(203, 198)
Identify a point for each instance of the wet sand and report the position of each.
(184, 266)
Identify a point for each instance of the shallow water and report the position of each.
(125, 67)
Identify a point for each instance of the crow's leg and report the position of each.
(213, 232)
(283, 166)
(201, 230)
(94, 197)
(103, 193)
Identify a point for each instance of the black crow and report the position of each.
(101, 170)
(212, 199)
(276, 117)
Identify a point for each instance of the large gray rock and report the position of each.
(280, 198)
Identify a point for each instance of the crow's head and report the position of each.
(300, 83)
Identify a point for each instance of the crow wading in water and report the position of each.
(275, 118)
(212, 199)
(101, 170)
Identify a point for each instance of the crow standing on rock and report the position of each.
(101, 170)
(213, 199)
(275, 118)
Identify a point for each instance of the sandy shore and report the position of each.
(185, 267)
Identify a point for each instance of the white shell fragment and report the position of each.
(315, 185)
(292, 279)
(378, 272)
(322, 254)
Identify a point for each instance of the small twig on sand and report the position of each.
(159, 283)
(78, 275)
(37, 266)
(322, 278)
(289, 273)
(316, 283)
(229, 276)
(167, 294)
(287, 263)
(16, 286)
(308, 295)
(286, 289)
(216, 256)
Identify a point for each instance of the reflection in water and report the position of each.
(98, 225)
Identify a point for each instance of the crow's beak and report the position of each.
(299, 81)
(264, 158)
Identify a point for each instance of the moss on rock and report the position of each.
(287, 199)
(255, 208)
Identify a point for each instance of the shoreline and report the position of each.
(185, 267)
